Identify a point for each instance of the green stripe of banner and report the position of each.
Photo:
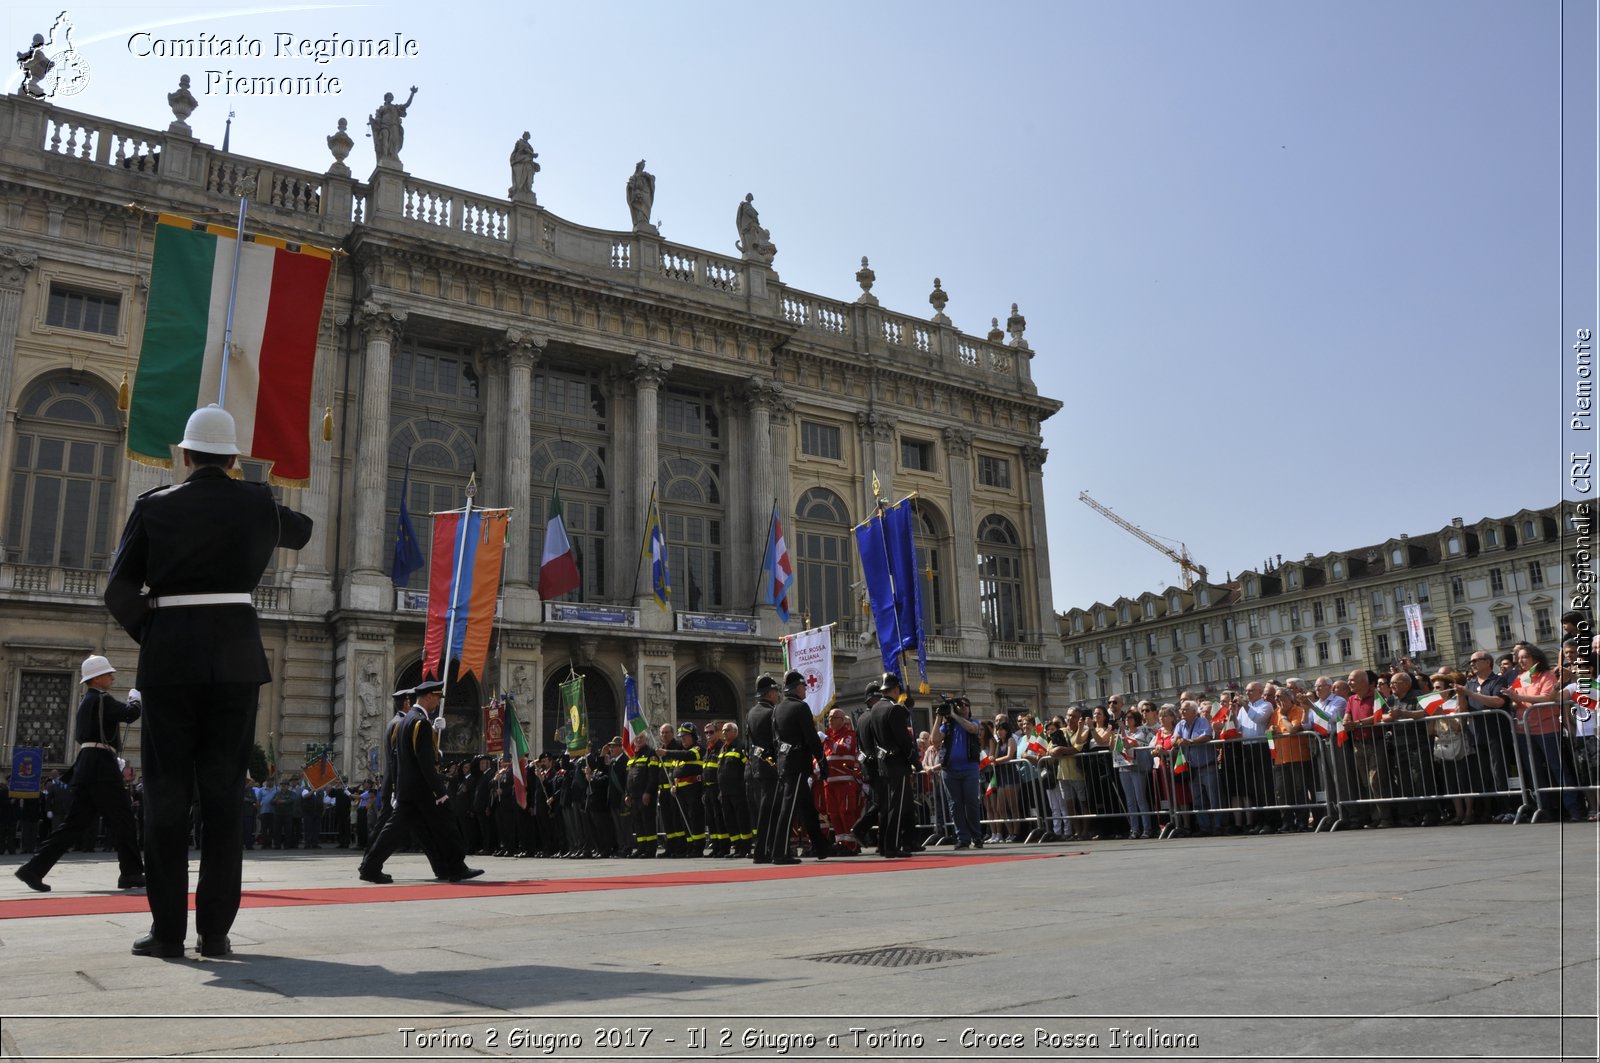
(174, 348)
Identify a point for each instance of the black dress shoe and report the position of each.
(131, 882)
(215, 946)
(379, 877)
(150, 945)
(466, 873)
(785, 860)
(33, 882)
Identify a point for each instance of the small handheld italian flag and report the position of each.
(1586, 694)
(1432, 703)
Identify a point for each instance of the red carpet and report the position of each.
(41, 907)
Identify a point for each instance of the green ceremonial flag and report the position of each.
(574, 731)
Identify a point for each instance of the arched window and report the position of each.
(436, 414)
(1000, 578)
(580, 472)
(63, 478)
(691, 509)
(442, 460)
(822, 557)
(931, 552)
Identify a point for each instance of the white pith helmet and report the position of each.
(210, 431)
(94, 666)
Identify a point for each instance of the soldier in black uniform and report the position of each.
(798, 748)
(887, 738)
(200, 547)
(761, 773)
(97, 786)
(872, 787)
(420, 792)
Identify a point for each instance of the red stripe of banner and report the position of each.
(440, 569)
(485, 588)
(288, 355)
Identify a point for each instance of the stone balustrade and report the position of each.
(164, 170)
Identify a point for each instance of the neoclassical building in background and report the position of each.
(466, 333)
(1482, 585)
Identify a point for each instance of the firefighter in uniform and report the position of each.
(98, 788)
(644, 780)
(887, 736)
(731, 787)
(798, 749)
(761, 772)
(180, 586)
(674, 824)
(842, 790)
(711, 799)
(688, 784)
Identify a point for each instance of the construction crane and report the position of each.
(1191, 571)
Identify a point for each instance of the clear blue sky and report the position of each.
(1292, 267)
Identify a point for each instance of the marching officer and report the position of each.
(97, 785)
(887, 737)
(420, 793)
(200, 547)
(798, 748)
(761, 775)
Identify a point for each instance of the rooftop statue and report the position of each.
(35, 65)
(641, 198)
(388, 135)
(754, 241)
(523, 167)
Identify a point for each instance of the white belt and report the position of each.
(96, 745)
(167, 601)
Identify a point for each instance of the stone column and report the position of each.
(648, 374)
(382, 324)
(14, 266)
(963, 541)
(522, 355)
(877, 449)
(1033, 459)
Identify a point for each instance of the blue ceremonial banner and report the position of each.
(900, 538)
(655, 550)
(887, 545)
(407, 551)
(880, 589)
(27, 765)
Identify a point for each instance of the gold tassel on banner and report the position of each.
(327, 424)
(124, 394)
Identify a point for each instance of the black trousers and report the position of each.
(794, 799)
(97, 790)
(196, 749)
(761, 793)
(898, 812)
(430, 827)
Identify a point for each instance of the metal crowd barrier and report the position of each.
(1560, 772)
(1431, 769)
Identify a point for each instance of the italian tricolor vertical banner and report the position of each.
(276, 317)
(464, 570)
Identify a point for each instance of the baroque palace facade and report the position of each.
(1483, 585)
(467, 334)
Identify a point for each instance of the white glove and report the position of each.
(134, 697)
(438, 723)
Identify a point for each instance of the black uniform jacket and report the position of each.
(795, 725)
(417, 759)
(209, 534)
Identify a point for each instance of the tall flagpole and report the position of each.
(455, 579)
(772, 519)
(233, 291)
(643, 541)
